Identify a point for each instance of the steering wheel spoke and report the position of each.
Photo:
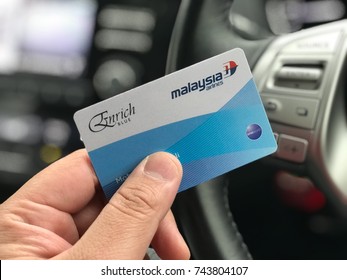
(301, 80)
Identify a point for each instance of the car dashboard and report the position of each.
(59, 56)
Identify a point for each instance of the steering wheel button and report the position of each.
(270, 106)
(294, 111)
(301, 111)
(292, 148)
(276, 135)
(320, 43)
(300, 73)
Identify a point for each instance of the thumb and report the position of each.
(127, 224)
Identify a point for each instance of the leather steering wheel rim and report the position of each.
(203, 30)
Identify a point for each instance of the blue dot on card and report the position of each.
(253, 131)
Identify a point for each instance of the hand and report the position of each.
(61, 213)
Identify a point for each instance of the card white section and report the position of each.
(200, 89)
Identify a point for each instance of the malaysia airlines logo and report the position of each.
(206, 83)
(230, 68)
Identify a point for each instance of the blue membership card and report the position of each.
(209, 115)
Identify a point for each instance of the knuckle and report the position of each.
(136, 201)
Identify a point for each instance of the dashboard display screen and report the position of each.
(49, 37)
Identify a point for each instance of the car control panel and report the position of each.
(301, 78)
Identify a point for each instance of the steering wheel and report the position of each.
(300, 78)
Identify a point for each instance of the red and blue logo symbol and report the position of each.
(230, 68)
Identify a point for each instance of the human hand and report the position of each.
(61, 213)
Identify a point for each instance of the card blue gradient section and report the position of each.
(120, 158)
(201, 170)
(207, 146)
